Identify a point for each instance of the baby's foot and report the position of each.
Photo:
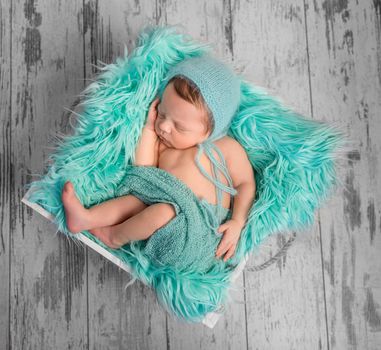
(105, 235)
(76, 214)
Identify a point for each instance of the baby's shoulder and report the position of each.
(228, 145)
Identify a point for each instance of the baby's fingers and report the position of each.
(153, 107)
(155, 102)
(222, 248)
(230, 253)
(152, 113)
(222, 228)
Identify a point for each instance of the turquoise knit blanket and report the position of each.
(293, 159)
(189, 241)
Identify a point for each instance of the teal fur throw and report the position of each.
(294, 159)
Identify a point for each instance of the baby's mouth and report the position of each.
(165, 141)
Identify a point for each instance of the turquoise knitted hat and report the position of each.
(218, 84)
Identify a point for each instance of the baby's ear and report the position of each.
(207, 132)
(206, 136)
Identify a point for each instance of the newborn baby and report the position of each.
(176, 124)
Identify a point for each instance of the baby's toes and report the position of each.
(68, 187)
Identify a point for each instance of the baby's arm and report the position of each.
(147, 149)
(242, 175)
(146, 153)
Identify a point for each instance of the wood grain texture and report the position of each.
(346, 87)
(48, 281)
(283, 310)
(322, 58)
(5, 165)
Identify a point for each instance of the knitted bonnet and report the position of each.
(218, 85)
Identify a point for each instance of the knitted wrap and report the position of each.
(186, 243)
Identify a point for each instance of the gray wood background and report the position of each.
(322, 58)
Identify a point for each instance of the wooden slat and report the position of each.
(285, 302)
(345, 59)
(48, 274)
(118, 318)
(5, 164)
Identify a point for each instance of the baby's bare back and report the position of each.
(181, 163)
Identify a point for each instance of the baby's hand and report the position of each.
(152, 115)
(232, 231)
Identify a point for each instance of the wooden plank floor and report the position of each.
(322, 58)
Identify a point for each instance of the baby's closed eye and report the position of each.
(179, 128)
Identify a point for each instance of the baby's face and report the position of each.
(179, 124)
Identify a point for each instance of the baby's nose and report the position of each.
(165, 127)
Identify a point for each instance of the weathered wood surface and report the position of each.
(48, 276)
(322, 58)
(281, 307)
(5, 164)
(345, 64)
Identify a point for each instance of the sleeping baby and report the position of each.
(197, 101)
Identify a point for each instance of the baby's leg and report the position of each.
(111, 212)
(139, 227)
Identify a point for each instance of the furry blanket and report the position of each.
(293, 159)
